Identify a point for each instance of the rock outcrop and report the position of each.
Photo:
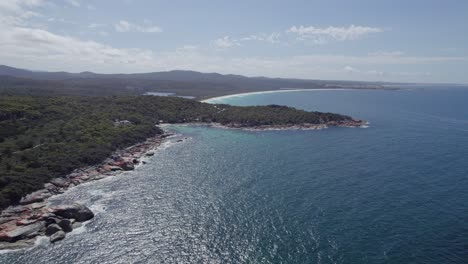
(21, 232)
(75, 211)
(22, 224)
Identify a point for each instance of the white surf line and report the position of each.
(214, 99)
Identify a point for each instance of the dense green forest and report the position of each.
(46, 137)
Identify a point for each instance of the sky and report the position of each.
(367, 40)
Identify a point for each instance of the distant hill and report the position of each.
(192, 83)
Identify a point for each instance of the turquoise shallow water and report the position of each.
(395, 192)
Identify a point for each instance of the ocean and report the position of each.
(395, 192)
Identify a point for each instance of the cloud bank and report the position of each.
(125, 26)
(321, 35)
(27, 46)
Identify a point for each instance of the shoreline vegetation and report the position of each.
(50, 144)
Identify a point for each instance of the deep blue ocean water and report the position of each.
(396, 192)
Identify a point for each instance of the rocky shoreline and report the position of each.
(306, 126)
(22, 224)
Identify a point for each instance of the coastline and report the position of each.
(352, 124)
(23, 224)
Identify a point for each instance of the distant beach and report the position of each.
(215, 99)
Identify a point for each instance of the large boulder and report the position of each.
(57, 236)
(52, 229)
(78, 212)
(51, 220)
(66, 225)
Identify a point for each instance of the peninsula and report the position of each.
(49, 144)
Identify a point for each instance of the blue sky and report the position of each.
(415, 41)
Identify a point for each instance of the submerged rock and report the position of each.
(57, 236)
(78, 212)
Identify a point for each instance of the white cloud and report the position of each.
(16, 12)
(322, 35)
(25, 46)
(350, 69)
(41, 46)
(18, 5)
(125, 26)
(315, 34)
(188, 48)
(225, 42)
(43, 50)
(74, 3)
(122, 26)
(229, 42)
(376, 74)
(270, 38)
(96, 25)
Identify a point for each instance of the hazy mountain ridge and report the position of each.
(182, 82)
